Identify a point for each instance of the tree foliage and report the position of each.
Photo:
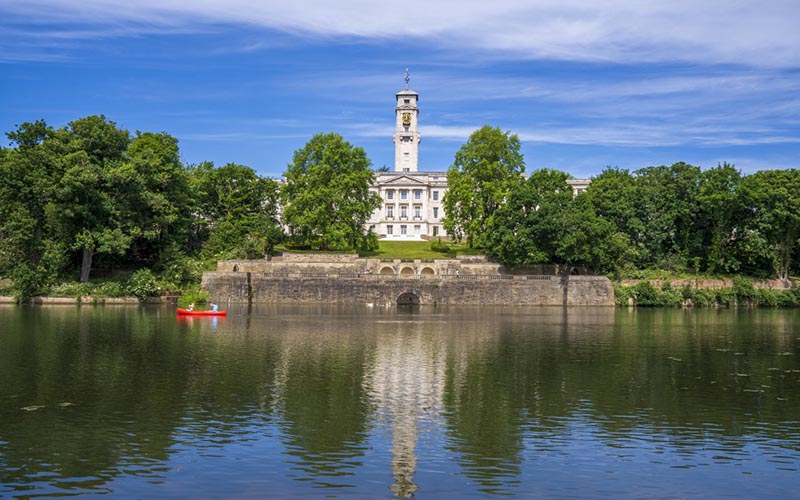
(590, 240)
(479, 181)
(239, 210)
(90, 191)
(28, 173)
(719, 217)
(85, 212)
(675, 218)
(327, 199)
(771, 199)
(526, 228)
(666, 205)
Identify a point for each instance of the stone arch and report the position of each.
(427, 271)
(407, 271)
(387, 270)
(236, 268)
(408, 299)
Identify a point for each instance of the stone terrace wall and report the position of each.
(296, 263)
(312, 257)
(385, 290)
(712, 283)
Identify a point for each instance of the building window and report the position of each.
(435, 230)
(417, 211)
(390, 194)
(403, 212)
(436, 196)
(416, 228)
(390, 211)
(417, 194)
(406, 101)
(403, 194)
(435, 212)
(390, 229)
(405, 169)
(403, 229)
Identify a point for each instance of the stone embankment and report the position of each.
(347, 279)
(711, 284)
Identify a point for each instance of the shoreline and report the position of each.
(89, 300)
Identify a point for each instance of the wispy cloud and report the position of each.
(748, 32)
(634, 135)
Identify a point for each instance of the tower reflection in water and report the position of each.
(407, 381)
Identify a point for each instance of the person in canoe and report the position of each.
(214, 307)
(191, 307)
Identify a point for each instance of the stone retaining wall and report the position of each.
(389, 289)
(711, 283)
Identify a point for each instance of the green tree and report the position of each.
(241, 210)
(28, 174)
(590, 240)
(479, 181)
(153, 186)
(613, 196)
(326, 197)
(720, 218)
(527, 228)
(772, 200)
(85, 212)
(666, 204)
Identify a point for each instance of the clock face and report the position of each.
(406, 119)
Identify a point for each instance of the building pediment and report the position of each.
(401, 180)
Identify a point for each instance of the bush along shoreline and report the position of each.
(142, 286)
(742, 293)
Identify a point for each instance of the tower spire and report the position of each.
(408, 78)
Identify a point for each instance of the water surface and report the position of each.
(342, 402)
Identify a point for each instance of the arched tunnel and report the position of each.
(408, 299)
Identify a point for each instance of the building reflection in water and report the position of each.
(407, 379)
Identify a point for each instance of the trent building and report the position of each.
(411, 207)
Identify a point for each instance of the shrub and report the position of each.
(193, 295)
(438, 246)
(180, 272)
(645, 294)
(621, 294)
(704, 297)
(143, 284)
(28, 281)
(767, 297)
(726, 297)
(670, 298)
(744, 289)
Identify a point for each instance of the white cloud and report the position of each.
(750, 32)
(634, 135)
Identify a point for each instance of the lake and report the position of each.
(440, 402)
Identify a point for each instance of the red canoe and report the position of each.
(186, 312)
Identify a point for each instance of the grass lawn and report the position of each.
(416, 250)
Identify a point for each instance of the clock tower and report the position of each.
(406, 136)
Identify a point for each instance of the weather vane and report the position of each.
(408, 78)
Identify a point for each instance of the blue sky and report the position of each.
(585, 85)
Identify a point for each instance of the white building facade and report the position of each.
(412, 207)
